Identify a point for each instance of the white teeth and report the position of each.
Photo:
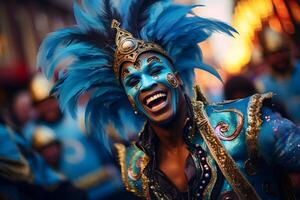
(154, 97)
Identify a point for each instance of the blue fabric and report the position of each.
(279, 141)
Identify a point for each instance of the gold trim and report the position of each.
(145, 180)
(16, 170)
(129, 48)
(121, 149)
(227, 165)
(254, 122)
(94, 178)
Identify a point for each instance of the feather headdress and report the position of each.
(91, 44)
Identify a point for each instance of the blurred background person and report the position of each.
(239, 86)
(21, 110)
(62, 142)
(24, 175)
(284, 73)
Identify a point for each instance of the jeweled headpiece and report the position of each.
(129, 48)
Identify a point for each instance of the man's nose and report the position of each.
(147, 82)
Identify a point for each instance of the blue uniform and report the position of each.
(21, 167)
(82, 161)
(286, 90)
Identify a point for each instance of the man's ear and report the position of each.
(178, 78)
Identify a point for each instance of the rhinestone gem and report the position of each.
(128, 45)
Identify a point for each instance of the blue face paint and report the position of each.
(153, 70)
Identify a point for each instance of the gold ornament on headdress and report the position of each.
(129, 48)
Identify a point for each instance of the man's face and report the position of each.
(152, 86)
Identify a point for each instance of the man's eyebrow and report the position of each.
(152, 59)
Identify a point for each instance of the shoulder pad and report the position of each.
(133, 161)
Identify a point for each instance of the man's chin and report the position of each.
(163, 120)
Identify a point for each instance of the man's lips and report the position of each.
(156, 101)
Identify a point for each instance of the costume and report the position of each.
(122, 50)
(25, 175)
(287, 90)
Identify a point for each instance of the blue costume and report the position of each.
(82, 161)
(123, 49)
(287, 90)
(25, 175)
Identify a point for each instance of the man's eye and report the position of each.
(133, 82)
(155, 72)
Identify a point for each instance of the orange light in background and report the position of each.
(274, 24)
(289, 27)
(281, 8)
(247, 19)
(295, 8)
(284, 15)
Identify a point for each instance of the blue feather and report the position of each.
(90, 45)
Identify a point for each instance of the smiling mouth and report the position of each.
(156, 101)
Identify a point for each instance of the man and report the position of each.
(62, 142)
(143, 72)
(25, 175)
(284, 73)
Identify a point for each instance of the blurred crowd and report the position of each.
(47, 154)
(280, 75)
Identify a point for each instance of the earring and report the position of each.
(172, 80)
(133, 104)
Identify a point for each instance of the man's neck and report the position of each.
(171, 135)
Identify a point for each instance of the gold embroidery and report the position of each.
(222, 127)
(122, 160)
(124, 172)
(226, 163)
(145, 180)
(93, 178)
(254, 122)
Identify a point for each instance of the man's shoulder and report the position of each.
(132, 161)
(244, 105)
(238, 122)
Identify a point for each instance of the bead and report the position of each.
(128, 45)
(198, 195)
(203, 181)
(206, 175)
